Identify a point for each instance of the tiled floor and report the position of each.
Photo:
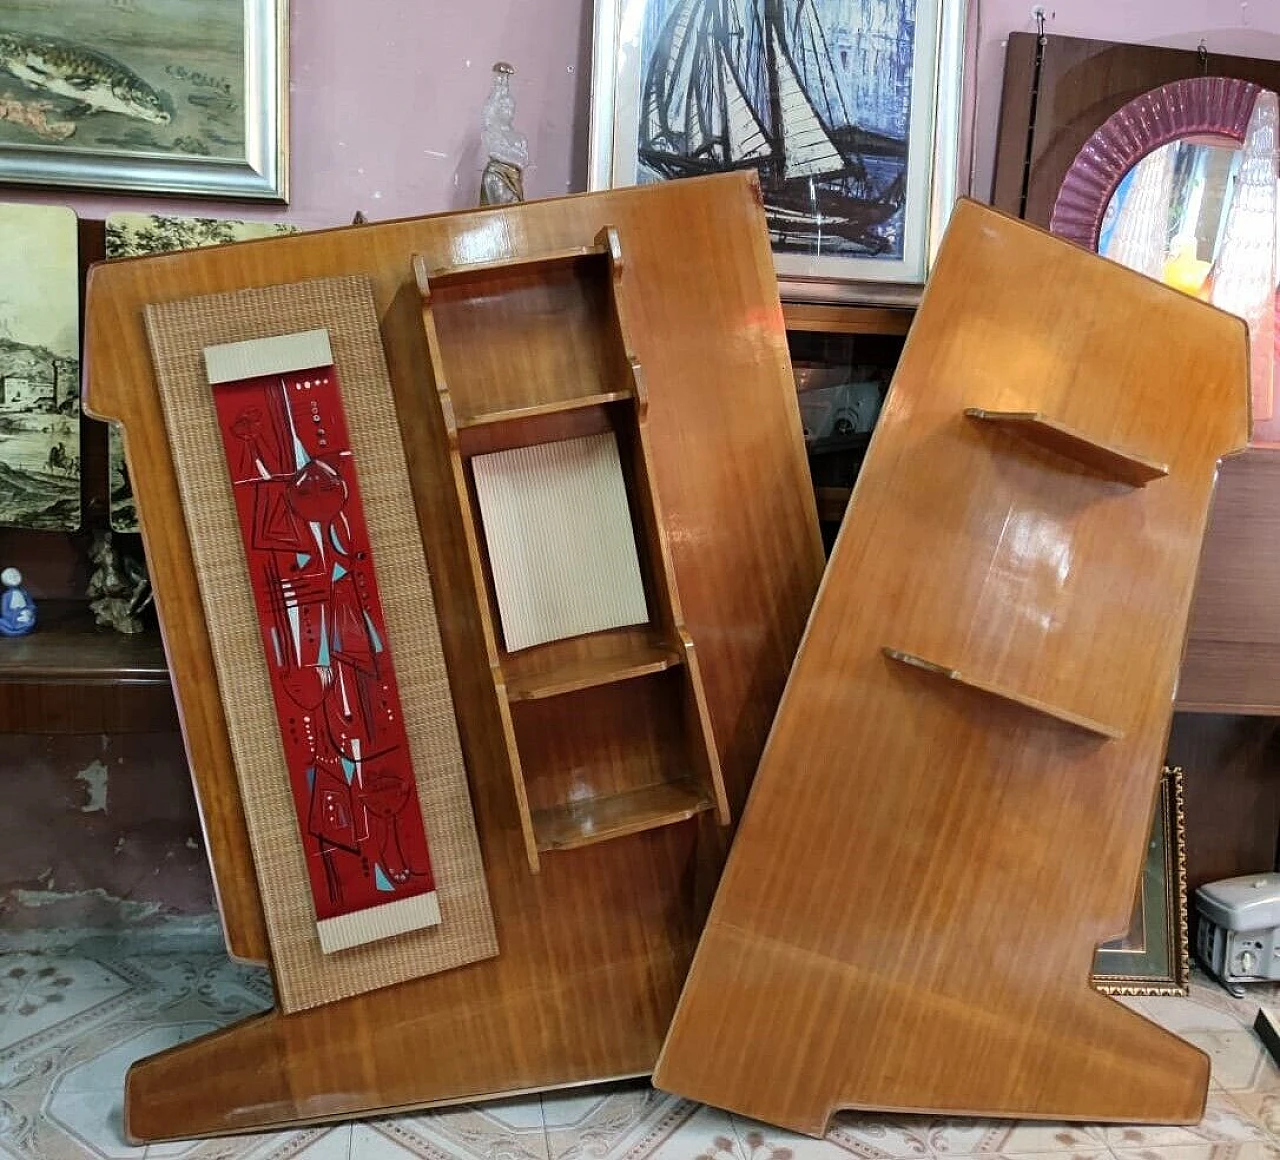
(69, 1027)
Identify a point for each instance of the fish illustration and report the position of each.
(95, 81)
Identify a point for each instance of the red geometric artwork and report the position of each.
(293, 476)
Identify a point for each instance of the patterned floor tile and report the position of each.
(70, 1027)
(627, 1121)
(37, 993)
(500, 1130)
(1254, 1150)
(1238, 1059)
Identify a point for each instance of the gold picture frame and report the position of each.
(1153, 956)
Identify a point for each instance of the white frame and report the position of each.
(261, 175)
(933, 173)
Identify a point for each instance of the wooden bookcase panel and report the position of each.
(607, 733)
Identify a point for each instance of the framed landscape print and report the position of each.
(849, 110)
(39, 368)
(156, 96)
(1152, 958)
(131, 235)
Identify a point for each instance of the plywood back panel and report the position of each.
(592, 951)
(940, 835)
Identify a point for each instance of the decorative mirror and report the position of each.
(1181, 185)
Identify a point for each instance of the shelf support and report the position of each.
(1066, 716)
(1097, 458)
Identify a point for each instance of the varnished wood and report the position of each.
(1232, 663)
(847, 319)
(571, 826)
(1011, 696)
(1232, 786)
(1043, 431)
(594, 948)
(537, 410)
(598, 786)
(909, 915)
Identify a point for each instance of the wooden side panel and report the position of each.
(593, 949)
(925, 867)
(1013, 137)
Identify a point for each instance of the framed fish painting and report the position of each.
(849, 110)
(146, 96)
(39, 368)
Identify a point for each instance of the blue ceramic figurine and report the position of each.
(17, 609)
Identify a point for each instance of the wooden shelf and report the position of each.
(68, 646)
(464, 271)
(556, 407)
(588, 672)
(583, 823)
(846, 319)
(1097, 728)
(70, 676)
(1109, 462)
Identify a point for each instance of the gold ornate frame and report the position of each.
(1157, 961)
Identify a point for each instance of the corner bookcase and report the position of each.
(607, 733)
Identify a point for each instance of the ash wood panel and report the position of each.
(1011, 696)
(593, 949)
(926, 876)
(579, 763)
(1106, 461)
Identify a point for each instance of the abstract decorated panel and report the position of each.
(297, 496)
(312, 577)
(131, 235)
(39, 368)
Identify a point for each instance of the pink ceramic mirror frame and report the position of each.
(1217, 106)
(1200, 106)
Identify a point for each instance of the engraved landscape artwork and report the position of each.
(131, 76)
(130, 235)
(814, 94)
(39, 368)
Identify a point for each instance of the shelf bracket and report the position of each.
(1066, 716)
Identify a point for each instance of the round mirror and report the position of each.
(1188, 187)
(1181, 185)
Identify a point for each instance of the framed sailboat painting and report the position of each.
(849, 110)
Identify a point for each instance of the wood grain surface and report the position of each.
(594, 948)
(909, 915)
(521, 351)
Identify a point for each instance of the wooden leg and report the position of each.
(1101, 1061)
(387, 1051)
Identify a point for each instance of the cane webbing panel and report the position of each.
(178, 332)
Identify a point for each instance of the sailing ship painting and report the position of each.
(813, 94)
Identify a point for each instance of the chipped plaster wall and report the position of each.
(98, 832)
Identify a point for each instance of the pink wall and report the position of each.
(386, 101)
(387, 96)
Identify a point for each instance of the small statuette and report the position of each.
(119, 587)
(17, 609)
(502, 182)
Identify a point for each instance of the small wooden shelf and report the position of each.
(1097, 728)
(464, 271)
(580, 673)
(68, 646)
(70, 676)
(572, 825)
(1109, 462)
(556, 407)
(607, 733)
